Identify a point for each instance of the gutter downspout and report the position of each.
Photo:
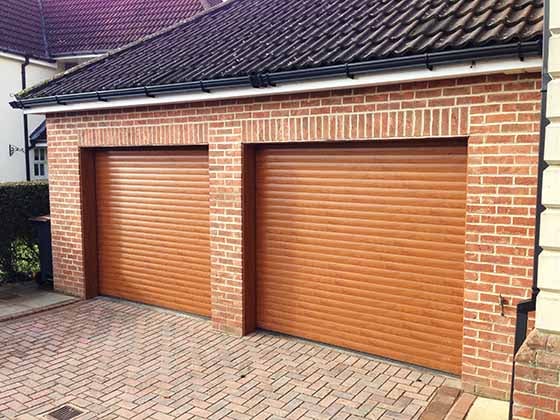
(527, 306)
(25, 122)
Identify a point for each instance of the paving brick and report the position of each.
(142, 362)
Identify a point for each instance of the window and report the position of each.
(40, 169)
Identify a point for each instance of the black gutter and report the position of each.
(25, 123)
(428, 60)
(527, 306)
(26, 54)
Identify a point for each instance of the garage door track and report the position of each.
(113, 359)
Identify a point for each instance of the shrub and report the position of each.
(19, 254)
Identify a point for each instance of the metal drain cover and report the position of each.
(66, 412)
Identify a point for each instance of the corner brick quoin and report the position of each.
(499, 116)
(537, 378)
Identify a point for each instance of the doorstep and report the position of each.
(450, 404)
(489, 409)
(20, 299)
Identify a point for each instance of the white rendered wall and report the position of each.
(11, 120)
(548, 301)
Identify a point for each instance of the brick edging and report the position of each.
(34, 311)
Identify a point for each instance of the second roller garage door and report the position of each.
(153, 227)
(363, 247)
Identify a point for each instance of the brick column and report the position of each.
(537, 372)
(225, 155)
(65, 208)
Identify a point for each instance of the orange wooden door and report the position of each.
(153, 227)
(363, 247)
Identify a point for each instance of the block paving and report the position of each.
(120, 360)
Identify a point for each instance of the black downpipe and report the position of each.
(527, 306)
(25, 122)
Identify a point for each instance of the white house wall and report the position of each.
(11, 120)
(548, 301)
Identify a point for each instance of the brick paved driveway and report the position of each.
(121, 360)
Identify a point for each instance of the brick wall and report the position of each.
(498, 113)
(537, 378)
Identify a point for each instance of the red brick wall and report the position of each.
(499, 114)
(537, 378)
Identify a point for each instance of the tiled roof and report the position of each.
(55, 28)
(90, 26)
(39, 135)
(21, 28)
(244, 37)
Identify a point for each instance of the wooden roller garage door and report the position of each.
(153, 227)
(363, 247)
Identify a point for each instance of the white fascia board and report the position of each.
(445, 71)
(21, 58)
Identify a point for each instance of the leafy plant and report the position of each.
(19, 253)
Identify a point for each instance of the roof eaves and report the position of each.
(67, 54)
(122, 49)
(520, 50)
(40, 133)
(25, 54)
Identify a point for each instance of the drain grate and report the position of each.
(66, 412)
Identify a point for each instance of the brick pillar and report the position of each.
(537, 371)
(225, 155)
(537, 378)
(65, 208)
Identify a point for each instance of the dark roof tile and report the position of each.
(54, 28)
(243, 37)
(89, 26)
(21, 28)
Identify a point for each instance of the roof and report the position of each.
(39, 135)
(246, 37)
(21, 28)
(92, 26)
(47, 29)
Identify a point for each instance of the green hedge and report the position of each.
(19, 257)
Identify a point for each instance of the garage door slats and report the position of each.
(370, 243)
(376, 228)
(416, 306)
(351, 316)
(359, 338)
(382, 205)
(160, 238)
(349, 259)
(363, 247)
(152, 296)
(154, 227)
(382, 279)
